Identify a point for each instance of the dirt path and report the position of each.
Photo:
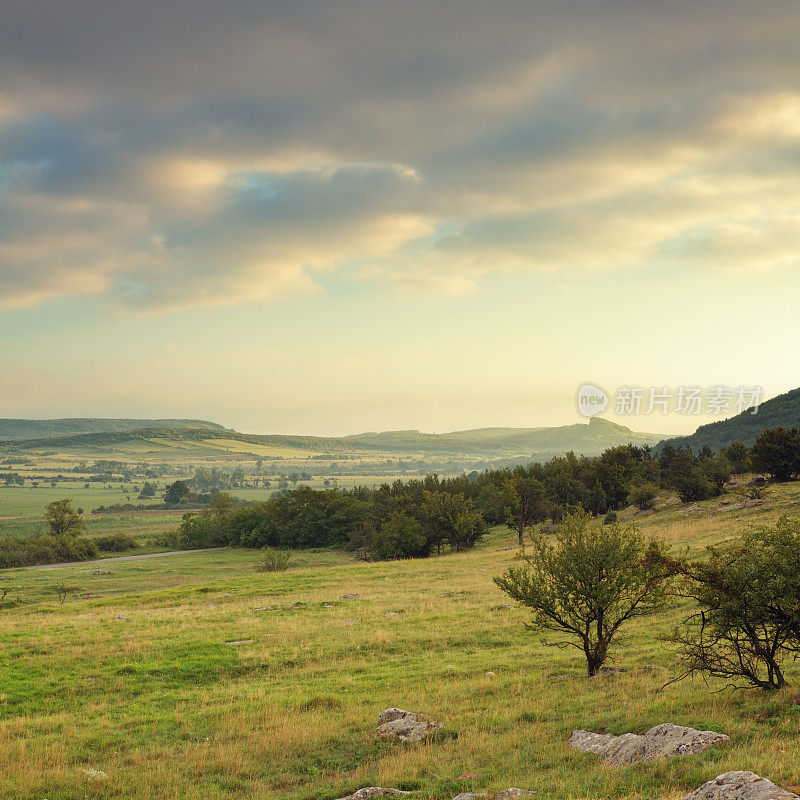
(119, 558)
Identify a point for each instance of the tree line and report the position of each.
(417, 517)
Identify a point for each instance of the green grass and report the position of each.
(30, 500)
(141, 682)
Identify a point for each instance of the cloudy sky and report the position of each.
(345, 215)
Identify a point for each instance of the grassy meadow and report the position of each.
(196, 676)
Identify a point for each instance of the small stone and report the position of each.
(490, 675)
(94, 774)
(407, 726)
(90, 596)
(121, 617)
(513, 794)
(102, 572)
(239, 641)
(350, 597)
(470, 796)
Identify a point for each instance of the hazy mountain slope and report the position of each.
(50, 428)
(586, 439)
(781, 410)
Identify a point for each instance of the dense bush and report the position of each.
(17, 552)
(777, 452)
(203, 530)
(643, 496)
(116, 543)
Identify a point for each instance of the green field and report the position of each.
(143, 682)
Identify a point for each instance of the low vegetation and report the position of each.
(198, 677)
(273, 560)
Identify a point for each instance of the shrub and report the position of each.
(644, 496)
(172, 539)
(401, 536)
(273, 560)
(116, 543)
(203, 530)
(610, 518)
(693, 486)
(35, 550)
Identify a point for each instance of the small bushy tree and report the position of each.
(589, 584)
(748, 594)
(63, 519)
(400, 536)
(176, 492)
(452, 518)
(740, 457)
(643, 496)
(777, 452)
(525, 502)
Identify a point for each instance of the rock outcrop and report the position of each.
(740, 786)
(395, 723)
(663, 741)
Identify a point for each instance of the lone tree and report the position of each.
(176, 492)
(525, 504)
(63, 519)
(589, 583)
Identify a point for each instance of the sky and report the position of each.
(336, 216)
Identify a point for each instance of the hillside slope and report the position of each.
(51, 428)
(781, 410)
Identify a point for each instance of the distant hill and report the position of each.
(781, 410)
(583, 439)
(51, 428)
